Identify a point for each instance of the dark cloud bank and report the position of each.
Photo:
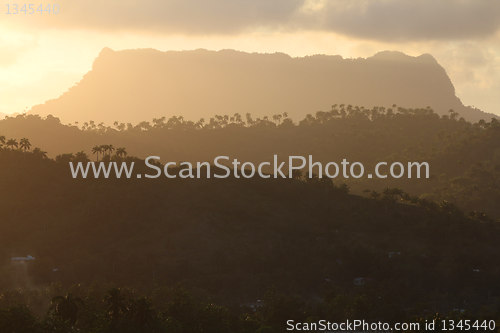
(373, 19)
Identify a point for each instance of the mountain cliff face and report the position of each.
(138, 85)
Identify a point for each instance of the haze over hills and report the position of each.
(137, 85)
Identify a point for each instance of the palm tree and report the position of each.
(104, 149)
(107, 149)
(2, 140)
(66, 308)
(121, 152)
(25, 144)
(96, 150)
(11, 143)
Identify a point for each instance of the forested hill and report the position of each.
(464, 157)
(236, 239)
(134, 85)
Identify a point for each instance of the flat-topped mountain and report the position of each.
(137, 85)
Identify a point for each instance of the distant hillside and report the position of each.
(133, 85)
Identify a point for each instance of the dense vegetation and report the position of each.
(174, 310)
(176, 248)
(231, 242)
(464, 157)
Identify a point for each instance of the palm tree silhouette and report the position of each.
(11, 143)
(25, 144)
(2, 140)
(96, 150)
(121, 152)
(107, 149)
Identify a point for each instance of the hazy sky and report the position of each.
(42, 55)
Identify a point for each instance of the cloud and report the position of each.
(178, 16)
(409, 19)
(388, 20)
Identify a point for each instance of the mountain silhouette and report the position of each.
(138, 85)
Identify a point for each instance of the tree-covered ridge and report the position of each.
(464, 157)
(338, 111)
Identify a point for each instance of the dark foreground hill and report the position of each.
(133, 85)
(234, 240)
